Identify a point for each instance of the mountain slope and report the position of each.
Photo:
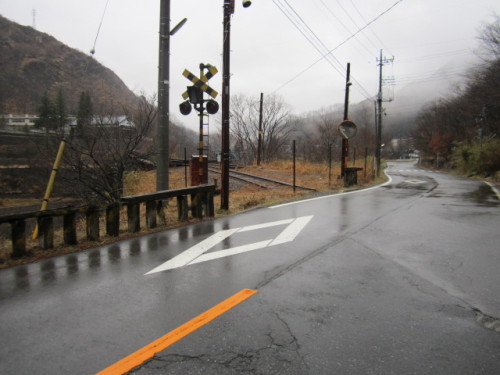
(32, 63)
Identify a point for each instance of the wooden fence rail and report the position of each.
(201, 203)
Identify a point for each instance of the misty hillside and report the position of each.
(32, 63)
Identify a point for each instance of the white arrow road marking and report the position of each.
(196, 253)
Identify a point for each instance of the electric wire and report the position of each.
(305, 30)
(339, 21)
(357, 85)
(373, 32)
(338, 46)
(92, 51)
(354, 23)
(314, 40)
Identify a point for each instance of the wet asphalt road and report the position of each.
(399, 279)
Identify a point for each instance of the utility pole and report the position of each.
(259, 144)
(163, 158)
(378, 141)
(226, 75)
(228, 10)
(345, 141)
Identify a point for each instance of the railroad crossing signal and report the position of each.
(193, 97)
(201, 82)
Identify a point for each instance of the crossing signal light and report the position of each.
(185, 108)
(212, 107)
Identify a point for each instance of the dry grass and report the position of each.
(242, 197)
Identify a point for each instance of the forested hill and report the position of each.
(32, 63)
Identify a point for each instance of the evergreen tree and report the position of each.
(46, 114)
(60, 110)
(85, 112)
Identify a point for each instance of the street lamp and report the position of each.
(226, 36)
(163, 94)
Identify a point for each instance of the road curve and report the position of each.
(402, 278)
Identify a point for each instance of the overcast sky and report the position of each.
(268, 53)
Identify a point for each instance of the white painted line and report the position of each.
(414, 181)
(231, 251)
(195, 251)
(494, 188)
(287, 235)
(265, 225)
(337, 194)
(292, 230)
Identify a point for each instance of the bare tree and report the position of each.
(490, 38)
(362, 115)
(98, 158)
(277, 125)
(327, 132)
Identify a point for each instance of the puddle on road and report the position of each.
(484, 195)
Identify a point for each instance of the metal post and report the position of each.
(163, 97)
(228, 8)
(329, 164)
(374, 161)
(185, 168)
(366, 158)
(259, 144)
(294, 169)
(50, 185)
(201, 171)
(347, 84)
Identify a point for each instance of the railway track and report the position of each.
(263, 182)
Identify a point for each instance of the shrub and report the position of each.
(477, 158)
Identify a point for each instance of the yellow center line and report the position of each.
(135, 359)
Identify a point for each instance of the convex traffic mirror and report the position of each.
(347, 129)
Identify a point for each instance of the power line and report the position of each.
(354, 22)
(338, 46)
(92, 51)
(338, 19)
(364, 20)
(305, 30)
(314, 40)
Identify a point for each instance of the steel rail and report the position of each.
(247, 176)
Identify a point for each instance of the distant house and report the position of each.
(116, 121)
(23, 123)
(17, 122)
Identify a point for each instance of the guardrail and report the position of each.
(201, 203)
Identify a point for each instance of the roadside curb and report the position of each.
(493, 187)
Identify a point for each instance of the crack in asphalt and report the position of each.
(294, 342)
(487, 321)
(280, 343)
